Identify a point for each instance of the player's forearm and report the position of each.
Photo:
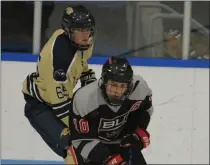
(144, 120)
(85, 67)
(50, 125)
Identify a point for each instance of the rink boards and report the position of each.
(179, 127)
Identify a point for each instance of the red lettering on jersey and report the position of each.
(84, 126)
(75, 124)
(135, 106)
(150, 98)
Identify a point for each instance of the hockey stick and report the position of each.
(130, 157)
(150, 45)
(118, 142)
(111, 142)
(142, 48)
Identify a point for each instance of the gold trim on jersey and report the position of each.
(61, 105)
(32, 87)
(61, 110)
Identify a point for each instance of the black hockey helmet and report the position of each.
(78, 18)
(117, 70)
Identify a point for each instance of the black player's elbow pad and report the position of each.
(99, 153)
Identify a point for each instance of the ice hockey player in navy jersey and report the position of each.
(109, 117)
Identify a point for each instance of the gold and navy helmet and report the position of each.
(78, 18)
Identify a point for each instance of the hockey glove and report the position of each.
(87, 77)
(140, 139)
(115, 160)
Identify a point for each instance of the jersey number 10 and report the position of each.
(81, 126)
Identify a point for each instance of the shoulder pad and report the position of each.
(141, 89)
(57, 32)
(85, 99)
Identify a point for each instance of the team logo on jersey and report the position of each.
(65, 132)
(114, 133)
(112, 124)
(135, 106)
(69, 10)
(60, 75)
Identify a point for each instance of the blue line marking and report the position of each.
(135, 61)
(9, 161)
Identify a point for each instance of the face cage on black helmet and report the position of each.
(91, 38)
(114, 101)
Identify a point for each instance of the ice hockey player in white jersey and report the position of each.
(109, 117)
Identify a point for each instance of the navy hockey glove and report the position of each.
(115, 160)
(140, 139)
(87, 77)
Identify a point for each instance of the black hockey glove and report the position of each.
(87, 77)
(115, 160)
(140, 139)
